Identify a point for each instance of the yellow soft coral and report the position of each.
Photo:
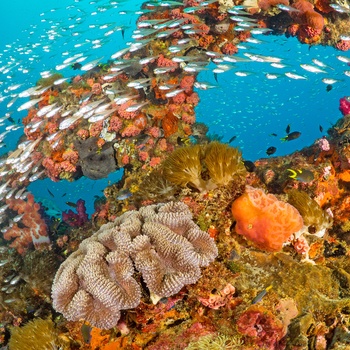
(190, 165)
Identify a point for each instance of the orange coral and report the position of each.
(265, 220)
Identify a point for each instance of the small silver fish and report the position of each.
(90, 65)
(312, 69)
(294, 76)
(29, 104)
(287, 8)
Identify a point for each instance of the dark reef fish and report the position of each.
(271, 150)
(292, 136)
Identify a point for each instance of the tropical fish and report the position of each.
(123, 194)
(71, 204)
(249, 165)
(271, 150)
(288, 129)
(261, 294)
(329, 87)
(312, 69)
(321, 128)
(232, 139)
(294, 76)
(292, 136)
(302, 175)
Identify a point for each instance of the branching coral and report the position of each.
(187, 165)
(265, 220)
(314, 217)
(162, 241)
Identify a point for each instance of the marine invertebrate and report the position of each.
(265, 220)
(215, 342)
(38, 334)
(186, 165)
(223, 163)
(261, 326)
(34, 230)
(76, 219)
(316, 220)
(161, 241)
(344, 105)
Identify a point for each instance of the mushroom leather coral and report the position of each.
(265, 220)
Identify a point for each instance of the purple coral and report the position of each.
(163, 243)
(76, 219)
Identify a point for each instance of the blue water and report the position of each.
(41, 35)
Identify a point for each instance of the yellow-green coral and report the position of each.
(183, 167)
(314, 217)
(223, 162)
(216, 342)
(38, 334)
(190, 165)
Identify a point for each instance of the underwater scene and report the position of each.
(175, 175)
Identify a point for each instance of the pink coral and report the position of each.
(179, 98)
(154, 131)
(83, 134)
(344, 106)
(301, 245)
(96, 128)
(264, 329)
(187, 83)
(343, 45)
(67, 166)
(165, 62)
(193, 99)
(130, 131)
(53, 170)
(215, 301)
(154, 161)
(143, 155)
(71, 156)
(115, 123)
(324, 144)
(34, 230)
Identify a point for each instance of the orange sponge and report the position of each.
(265, 220)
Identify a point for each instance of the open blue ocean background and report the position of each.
(37, 36)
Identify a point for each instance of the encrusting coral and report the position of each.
(187, 165)
(163, 242)
(265, 220)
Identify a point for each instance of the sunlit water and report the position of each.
(41, 35)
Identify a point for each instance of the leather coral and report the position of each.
(264, 220)
(161, 241)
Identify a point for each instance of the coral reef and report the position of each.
(265, 220)
(96, 281)
(137, 112)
